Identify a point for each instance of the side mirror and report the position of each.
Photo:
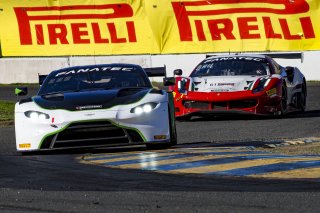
(289, 69)
(169, 81)
(41, 78)
(20, 91)
(290, 73)
(177, 72)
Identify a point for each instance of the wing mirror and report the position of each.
(177, 72)
(290, 73)
(169, 81)
(21, 91)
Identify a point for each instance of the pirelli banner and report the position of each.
(114, 27)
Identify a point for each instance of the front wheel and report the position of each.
(302, 99)
(283, 102)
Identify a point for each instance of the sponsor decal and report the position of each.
(71, 21)
(179, 98)
(204, 15)
(226, 84)
(160, 137)
(272, 92)
(25, 146)
(174, 94)
(235, 58)
(89, 107)
(220, 90)
(117, 27)
(96, 69)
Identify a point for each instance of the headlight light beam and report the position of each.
(144, 108)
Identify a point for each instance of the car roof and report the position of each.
(239, 55)
(97, 66)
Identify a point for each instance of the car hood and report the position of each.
(88, 100)
(223, 83)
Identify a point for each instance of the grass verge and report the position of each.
(6, 112)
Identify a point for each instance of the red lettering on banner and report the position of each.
(186, 10)
(113, 34)
(200, 31)
(286, 30)
(245, 28)
(79, 32)
(57, 32)
(131, 31)
(40, 36)
(97, 34)
(307, 27)
(269, 28)
(226, 30)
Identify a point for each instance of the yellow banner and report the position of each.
(118, 27)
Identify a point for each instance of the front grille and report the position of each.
(225, 105)
(219, 105)
(242, 104)
(91, 134)
(196, 105)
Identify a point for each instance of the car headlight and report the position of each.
(263, 83)
(144, 108)
(36, 116)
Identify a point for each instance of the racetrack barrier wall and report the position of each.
(38, 36)
(25, 70)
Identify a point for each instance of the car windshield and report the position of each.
(93, 78)
(232, 66)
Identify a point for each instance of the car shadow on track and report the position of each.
(306, 114)
(88, 151)
(142, 148)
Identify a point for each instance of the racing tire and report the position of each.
(283, 101)
(302, 98)
(173, 135)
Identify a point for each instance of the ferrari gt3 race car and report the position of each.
(95, 106)
(253, 84)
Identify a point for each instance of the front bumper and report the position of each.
(242, 102)
(91, 128)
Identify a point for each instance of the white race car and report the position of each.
(96, 106)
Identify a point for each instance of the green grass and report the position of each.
(6, 111)
(20, 84)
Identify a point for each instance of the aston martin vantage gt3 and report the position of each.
(95, 106)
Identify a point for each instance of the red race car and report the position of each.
(253, 84)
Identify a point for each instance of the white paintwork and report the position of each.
(224, 83)
(32, 132)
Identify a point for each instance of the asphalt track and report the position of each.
(110, 180)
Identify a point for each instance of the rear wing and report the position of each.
(156, 71)
(292, 55)
(41, 78)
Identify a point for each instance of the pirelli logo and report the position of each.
(193, 17)
(77, 24)
(122, 27)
